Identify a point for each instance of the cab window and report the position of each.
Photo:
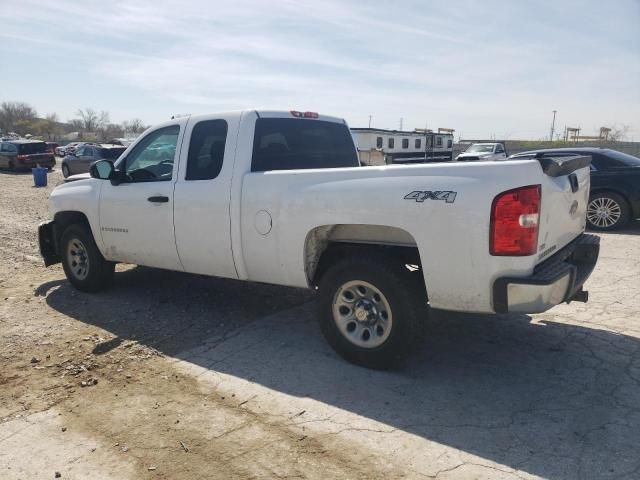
(152, 159)
(290, 143)
(206, 150)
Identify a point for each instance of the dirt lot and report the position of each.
(187, 377)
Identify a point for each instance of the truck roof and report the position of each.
(267, 113)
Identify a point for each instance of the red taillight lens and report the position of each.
(310, 115)
(22, 158)
(514, 222)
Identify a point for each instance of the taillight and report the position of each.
(514, 222)
(22, 158)
(297, 114)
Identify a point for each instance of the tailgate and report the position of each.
(564, 196)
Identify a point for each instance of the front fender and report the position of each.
(82, 196)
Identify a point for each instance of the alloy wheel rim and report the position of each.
(77, 259)
(604, 212)
(362, 314)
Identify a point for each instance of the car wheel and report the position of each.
(83, 264)
(371, 310)
(11, 166)
(607, 211)
(65, 170)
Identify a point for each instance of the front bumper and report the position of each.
(47, 239)
(556, 280)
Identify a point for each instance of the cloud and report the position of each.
(495, 67)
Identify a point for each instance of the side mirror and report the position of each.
(102, 169)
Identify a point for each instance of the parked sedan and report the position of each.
(86, 154)
(23, 154)
(615, 184)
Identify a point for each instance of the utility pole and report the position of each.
(553, 125)
(370, 116)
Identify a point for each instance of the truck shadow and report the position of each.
(547, 398)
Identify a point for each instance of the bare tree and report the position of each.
(52, 117)
(618, 133)
(76, 123)
(88, 118)
(92, 120)
(13, 112)
(134, 126)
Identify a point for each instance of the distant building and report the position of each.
(379, 147)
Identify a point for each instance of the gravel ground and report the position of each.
(168, 375)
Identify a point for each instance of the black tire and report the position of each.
(65, 170)
(616, 205)
(98, 273)
(402, 290)
(11, 166)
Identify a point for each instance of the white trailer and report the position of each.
(379, 147)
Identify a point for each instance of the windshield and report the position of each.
(31, 148)
(619, 159)
(480, 148)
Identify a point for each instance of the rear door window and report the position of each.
(206, 150)
(291, 143)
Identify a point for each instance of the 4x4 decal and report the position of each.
(422, 195)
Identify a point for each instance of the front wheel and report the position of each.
(607, 211)
(371, 310)
(83, 264)
(65, 170)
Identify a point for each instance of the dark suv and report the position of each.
(615, 184)
(86, 154)
(23, 154)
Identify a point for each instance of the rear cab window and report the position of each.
(293, 143)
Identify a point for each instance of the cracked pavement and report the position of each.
(210, 378)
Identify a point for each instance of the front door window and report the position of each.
(152, 159)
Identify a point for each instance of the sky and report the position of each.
(490, 69)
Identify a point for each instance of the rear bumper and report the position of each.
(556, 280)
(48, 245)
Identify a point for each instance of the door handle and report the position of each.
(158, 199)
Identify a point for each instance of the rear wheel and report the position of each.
(371, 310)
(607, 211)
(83, 264)
(65, 170)
(11, 166)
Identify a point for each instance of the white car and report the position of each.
(279, 197)
(483, 151)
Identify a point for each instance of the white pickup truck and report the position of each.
(483, 151)
(279, 197)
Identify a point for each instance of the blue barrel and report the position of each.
(39, 176)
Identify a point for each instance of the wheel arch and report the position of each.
(595, 190)
(64, 219)
(324, 245)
